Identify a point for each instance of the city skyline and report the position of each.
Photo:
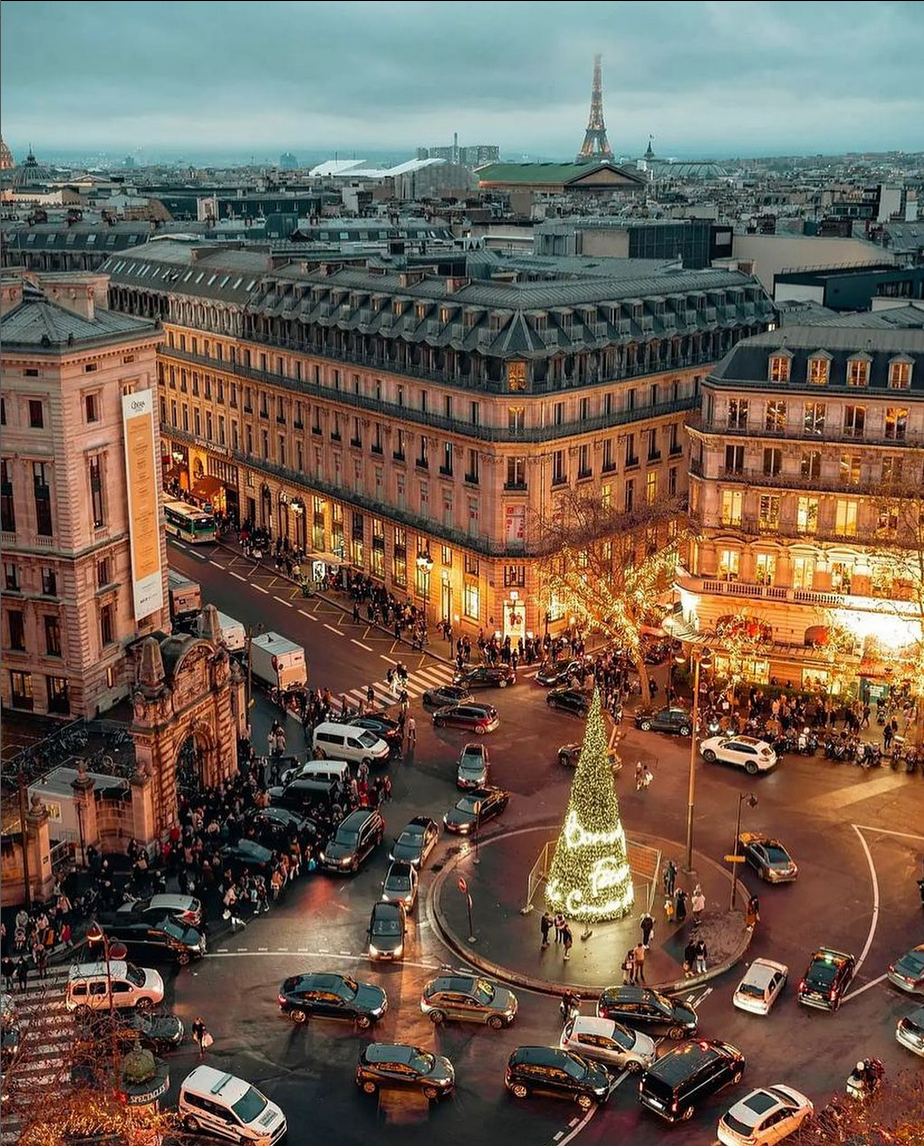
(703, 78)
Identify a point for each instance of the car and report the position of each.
(291, 768)
(760, 986)
(828, 976)
(216, 1103)
(183, 908)
(384, 728)
(247, 855)
(416, 841)
(473, 767)
(744, 751)
(159, 1031)
(486, 676)
(165, 939)
(768, 857)
(447, 694)
(275, 827)
(559, 672)
(907, 972)
(304, 796)
(649, 1010)
(479, 718)
(388, 1066)
(471, 811)
(608, 1042)
(910, 1031)
(356, 837)
(571, 700)
(569, 754)
(557, 1073)
(401, 885)
(676, 720)
(765, 1117)
(329, 995)
(387, 925)
(679, 1079)
(470, 999)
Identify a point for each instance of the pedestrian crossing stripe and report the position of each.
(431, 676)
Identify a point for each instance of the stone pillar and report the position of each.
(37, 840)
(783, 569)
(144, 824)
(85, 805)
(238, 701)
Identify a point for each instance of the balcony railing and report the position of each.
(858, 534)
(911, 440)
(884, 602)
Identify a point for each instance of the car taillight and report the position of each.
(282, 1000)
(832, 994)
(801, 984)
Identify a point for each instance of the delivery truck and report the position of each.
(232, 633)
(278, 662)
(185, 596)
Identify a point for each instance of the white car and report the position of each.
(762, 983)
(607, 1041)
(910, 1031)
(766, 1116)
(184, 909)
(752, 755)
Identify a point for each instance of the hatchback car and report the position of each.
(486, 676)
(649, 1010)
(768, 857)
(908, 972)
(557, 1073)
(447, 694)
(608, 1042)
(183, 908)
(416, 841)
(676, 720)
(389, 1066)
(400, 885)
(474, 765)
(765, 1117)
(478, 718)
(387, 925)
(247, 855)
(910, 1031)
(760, 986)
(469, 999)
(471, 811)
(828, 976)
(744, 751)
(571, 700)
(569, 754)
(359, 834)
(327, 995)
(680, 1079)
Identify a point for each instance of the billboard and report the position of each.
(142, 487)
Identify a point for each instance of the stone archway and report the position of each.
(196, 761)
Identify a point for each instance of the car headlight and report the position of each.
(346, 861)
(322, 856)
(398, 951)
(373, 950)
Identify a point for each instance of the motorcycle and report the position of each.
(866, 1079)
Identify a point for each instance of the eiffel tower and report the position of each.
(596, 146)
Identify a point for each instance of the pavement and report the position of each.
(508, 942)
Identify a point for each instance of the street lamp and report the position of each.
(701, 658)
(95, 934)
(252, 631)
(752, 803)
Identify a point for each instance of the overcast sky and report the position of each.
(705, 78)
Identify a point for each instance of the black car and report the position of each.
(559, 672)
(559, 1073)
(387, 925)
(389, 1066)
(828, 976)
(647, 1010)
(678, 1080)
(304, 796)
(479, 718)
(247, 855)
(472, 809)
(384, 728)
(486, 676)
(569, 754)
(149, 941)
(277, 827)
(416, 841)
(676, 720)
(569, 700)
(324, 995)
(358, 835)
(156, 1032)
(447, 694)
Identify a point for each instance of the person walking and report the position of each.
(701, 954)
(680, 905)
(753, 914)
(545, 926)
(22, 973)
(410, 728)
(567, 940)
(887, 738)
(669, 908)
(559, 927)
(639, 954)
(639, 776)
(670, 877)
(647, 925)
(201, 1036)
(8, 968)
(698, 905)
(628, 968)
(689, 960)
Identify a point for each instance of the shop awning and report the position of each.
(207, 487)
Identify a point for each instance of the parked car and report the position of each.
(416, 841)
(765, 1117)
(447, 694)
(569, 754)
(471, 811)
(473, 768)
(557, 1073)
(608, 1042)
(690, 1071)
(246, 855)
(384, 728)
(328, 995)
(144, 939)
(908, 971)
(743, 751)
(671, 719)
(479, 718)
(387, 925)
(183, 908)
(760, 986)
(469, 999)
(768, 857)
(828, 976)
(486, 676)
(401, 885)
(358, 834)
(389, 1066)
(649, 1010)
(572, 700)
(910, 1031)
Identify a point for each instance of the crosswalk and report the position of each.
(431, 675)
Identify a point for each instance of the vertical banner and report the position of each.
(141, 487)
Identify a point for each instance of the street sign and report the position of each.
(463, 886)
(734, 859)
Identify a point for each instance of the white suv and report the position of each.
(213, 1102)
(88, 986)
(752, 755)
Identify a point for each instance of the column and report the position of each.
(85, 805)
(37, 840)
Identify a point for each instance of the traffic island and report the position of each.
(508, 942)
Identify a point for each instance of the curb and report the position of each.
(545, 986)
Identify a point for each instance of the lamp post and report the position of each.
(95, 934)
(701, 658)
(425, 568)
(752, 803)
(252, 631)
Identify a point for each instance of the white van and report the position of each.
(213, 1102)
(347, 742)
(232, 633)
(318, 770)
(88, 986)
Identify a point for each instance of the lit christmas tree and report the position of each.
(590, 879)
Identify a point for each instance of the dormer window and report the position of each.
(445, 314)
(779, 367)
(900, 374)
(421, 310)
(819, 367)
(858, 371)
(396, 307)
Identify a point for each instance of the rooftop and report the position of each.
(38, 324)
(530, 173)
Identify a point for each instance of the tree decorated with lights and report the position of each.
(590, 879)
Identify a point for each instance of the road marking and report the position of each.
(853, 794)
(361, 645)
(237, 575)
(580, 1126)
(866, 986)
(217, 564)
(875, 919)
(310, 616)
(288, 604)
(332, 629)
(560, 1134)
(391, 660)
(888, 832)
(260, 587)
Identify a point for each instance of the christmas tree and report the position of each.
(590, 879)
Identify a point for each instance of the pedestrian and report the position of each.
(639, 954)
(559, 926)
(886, 738)
(567, 940)
(370, 697)
(698, 905)
(201, 1036)
(753, 914)
(680, 905)
(689, 960)
(701, 954)
(570, 1006)
(669, 908)
(41, 962)
(647, 778)
(628, 968)
(545, 926)
(670, 876)
(639, 776)
(647, 925)
(22, 973)
(8, 968)
(410, 728)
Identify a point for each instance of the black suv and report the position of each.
(147, 941)
(276, 827)
(675, 1082)
(548, 1070)
(359, 834)
(323, 995)
(647, 1010)
(676, 720)
(568, 700)
(486, 676)
(828, 976)
(303, 796)
(387, 1066)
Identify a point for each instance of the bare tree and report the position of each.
(892, 1116)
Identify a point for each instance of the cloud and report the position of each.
(702, 76)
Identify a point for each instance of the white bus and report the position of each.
(188, 522)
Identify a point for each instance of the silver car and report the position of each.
(607, 1041)
(401, 884)
(761, 985)
(468, 998)
(474, 764)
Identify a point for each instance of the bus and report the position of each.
(188, 522)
